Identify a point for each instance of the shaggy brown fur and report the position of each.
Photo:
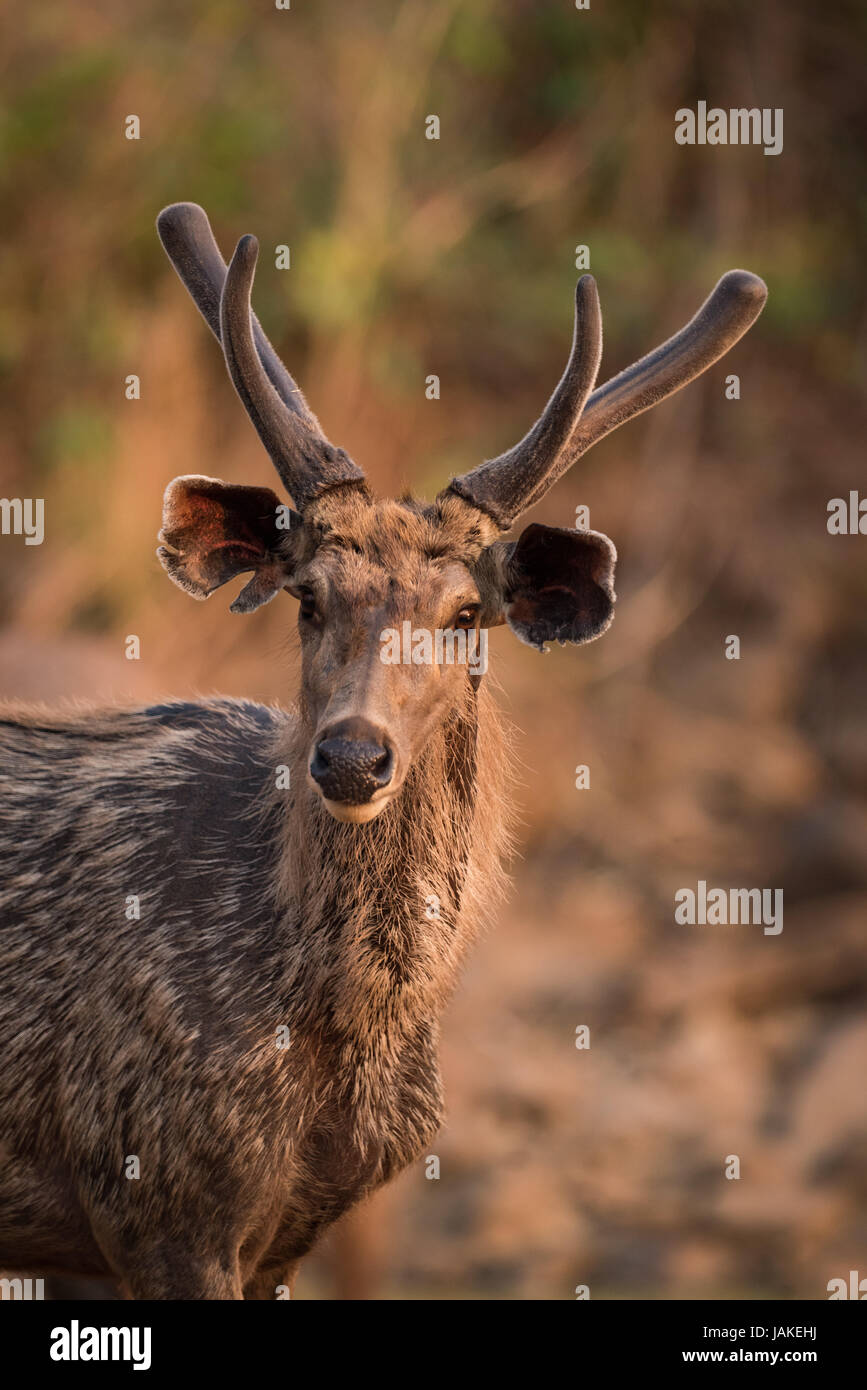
(158, 1037)
(339, 909)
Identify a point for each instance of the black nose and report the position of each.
(350, 763)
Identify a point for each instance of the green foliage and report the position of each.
(307, 127)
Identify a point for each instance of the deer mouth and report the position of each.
(349, 814)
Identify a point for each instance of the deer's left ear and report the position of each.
(557, 585)
(214, 530)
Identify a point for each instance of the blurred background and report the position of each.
(409, 257)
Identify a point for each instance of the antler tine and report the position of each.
(730, 309)
(727, 313)
(185, 232)
(304, 458)
(502, 486)
(308, 464)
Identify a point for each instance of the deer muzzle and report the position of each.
(353, 765)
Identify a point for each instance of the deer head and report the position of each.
(361, 567)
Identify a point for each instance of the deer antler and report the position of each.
(506, 486)
(305, 459)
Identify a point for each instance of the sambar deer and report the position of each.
(330, 914)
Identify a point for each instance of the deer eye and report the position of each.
(307, 604)
(466, 616)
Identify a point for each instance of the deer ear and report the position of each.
(213, 530)
(558, 585)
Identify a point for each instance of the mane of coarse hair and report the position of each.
(401, 899)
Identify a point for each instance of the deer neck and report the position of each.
(389, 909)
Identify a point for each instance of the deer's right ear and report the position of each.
(213, 530)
